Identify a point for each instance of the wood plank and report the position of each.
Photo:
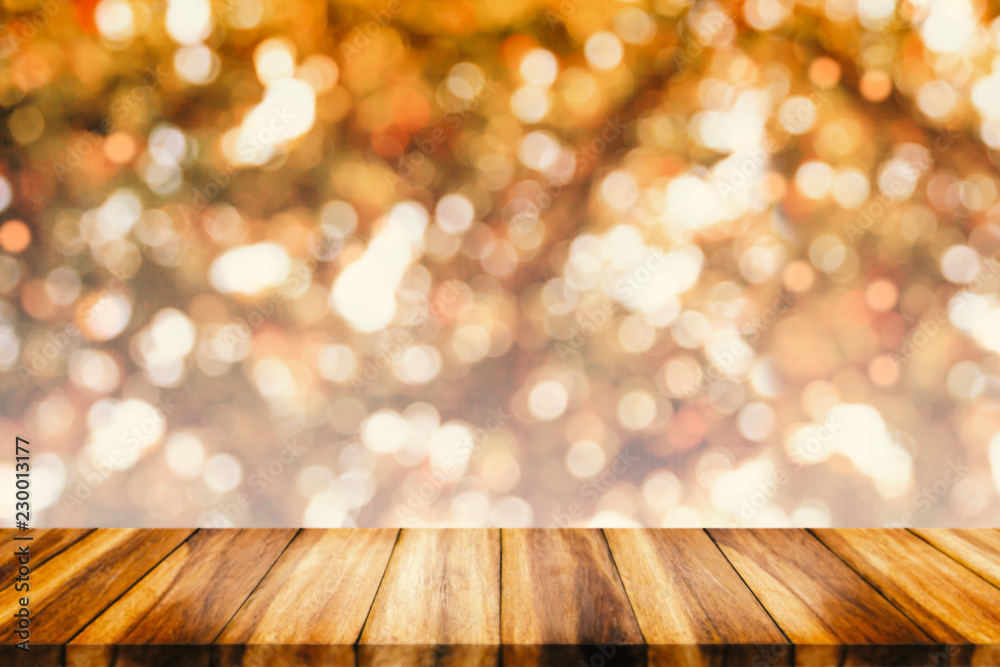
(47, 543)
(225, 655)
(192, 594)
(560, 586)
(90, 656)
(977, 549)
(318, 592)
(441, 588)
(276, 655)
(727, 655)
(970, 655)
(948, 600)
(582, 655)
(141, 655)
(684, 591)
(40, 654)
(388, 655)
(73, 587)
(817, 600)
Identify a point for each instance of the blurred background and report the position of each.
(512, 263)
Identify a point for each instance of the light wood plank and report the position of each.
(684, 591)
(560, 586)
(442, 587)
(72, 588)
(46, 543)
(192, 594)
(976, 549)
(949, 601)
(318, 592)
(811, 594)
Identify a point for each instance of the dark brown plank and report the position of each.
(684, 591)
(728, 655)
(818, 601)
(278, 655)
(580, 655)
(143, 655)
(318, 592)
(976, 549)
(389, 655)
(72, 588)
(192, 594)
(948, 600)
(45, 543)
(560, 586)
(40, 654)
(78, 655)
(968, 655)
(201, 655)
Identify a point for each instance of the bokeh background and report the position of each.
(509, 263)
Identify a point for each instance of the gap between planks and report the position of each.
(739, 574)
(257, 585)
(123, 593)
(870, 583)
(381, 580)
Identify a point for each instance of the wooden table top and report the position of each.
(508, 597)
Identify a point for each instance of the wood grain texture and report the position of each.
(44, 545)
(389, 655)
(561, 586)
(73, 587)
(976, 549)
(140, 655)
(318, 592)
(684, 591)
(948, 600)
(811, 594)
(192, 594)
(441, 587)
(970, 655)
(726, 655)
(45, 654)
(276, 655)
(451, 597)
(579, 655)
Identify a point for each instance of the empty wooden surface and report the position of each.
(561, 586)
(946, 599)
(318, 592)
(190, 596)
(811, 594)
(440, 587)
(487, 597)
(44, 545)
(976, 549)
(684, 591)
(73, 587)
